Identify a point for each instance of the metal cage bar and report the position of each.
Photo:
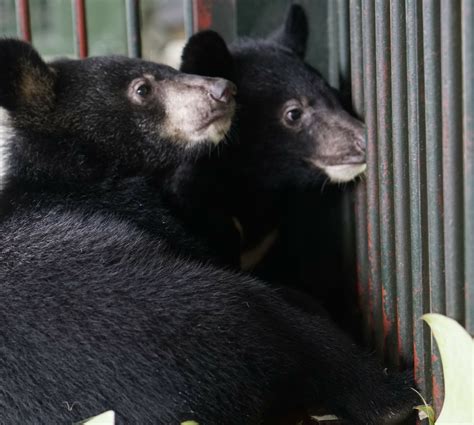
(22, 8)
(373, 233)
(451, 77)
(134, 40)
(401, 209)
(385, 179)
(416, 147)
(467, 13)
(357, 90)
(80, 27)
(434, 176)
(219, 15)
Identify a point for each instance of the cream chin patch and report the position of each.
(215, 133)
(5, 132)
(344, 173)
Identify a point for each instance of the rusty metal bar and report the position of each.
(134, 40)
(451, 75)
(434, 176)
(357, 91)
(219, 15)
(401, 181)
(416, 170)
(23, 19)
(373, 231)
(80, 27)
(467, 13)
(385, 178)
(202, 14)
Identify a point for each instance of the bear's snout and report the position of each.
(222, 90)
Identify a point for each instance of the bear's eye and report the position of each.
(143, 90)
(293, 115)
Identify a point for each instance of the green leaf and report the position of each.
(106, 418)
(427, 413)
(456, 348)
(189, 423)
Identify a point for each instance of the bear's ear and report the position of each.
(206, 54)
(25, 79)
(294, 32)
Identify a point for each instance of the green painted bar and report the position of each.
(134, 40)
(373, 231)
(333, 44)
(434, 173)
(417, 176)
(451, 91)
(357, 90)
(344, 59)
(401, 181)
(385, 179)
(467, 13)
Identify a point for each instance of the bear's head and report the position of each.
(79, 121)
(291, 122)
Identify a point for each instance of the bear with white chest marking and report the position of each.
(292, 132)
(279, 175)
(100, 310)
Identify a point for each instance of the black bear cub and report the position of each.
(105, 135)
(99, 309)
(279, 175)
(292, 134)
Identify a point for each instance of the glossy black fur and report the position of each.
(79, 144)
(100, 316)
(100, 311)
(263, 175)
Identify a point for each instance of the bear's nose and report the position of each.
(222, 90)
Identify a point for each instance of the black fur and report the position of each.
(267, 176)
(252, 176)
(100, 312)
(100, 316)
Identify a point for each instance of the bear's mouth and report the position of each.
(217, 117)
(342, 172)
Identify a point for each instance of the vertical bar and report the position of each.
(23, 19)
(400, 181)
(202, 14)
(451, 91)
(134, 40)
(220, 15)
(80, 27)
(416, 171)
(373, 233)
(468, 136)
(385, 177)
(357, 90)
(344, 62)
(434, 171)
(333, 45)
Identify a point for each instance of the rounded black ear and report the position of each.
(294, 32)
(206, 54)
(24, 77)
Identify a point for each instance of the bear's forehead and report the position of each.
(110, 68)
(278, 74)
